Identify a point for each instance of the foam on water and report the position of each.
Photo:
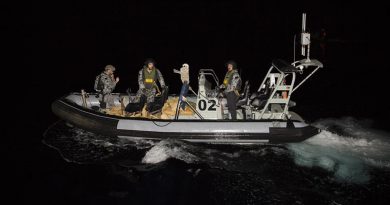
(349, 155)
(169, 149)
(231, 158)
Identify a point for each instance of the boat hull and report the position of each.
(208, 131)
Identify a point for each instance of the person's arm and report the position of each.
(235, 83)
(141, 79)
(115, 80)
(160, 78)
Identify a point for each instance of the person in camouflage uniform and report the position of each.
(232, 85)
(105, 85)
(147, 78)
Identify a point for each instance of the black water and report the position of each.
(66, 46)
(351, 167)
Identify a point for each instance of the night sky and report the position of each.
(71, 42)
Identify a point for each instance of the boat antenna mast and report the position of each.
(305, 39)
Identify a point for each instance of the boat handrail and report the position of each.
(209, 72)
(177, 113)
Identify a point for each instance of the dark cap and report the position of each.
(233, 63)
(150, 60)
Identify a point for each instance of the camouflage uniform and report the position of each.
(232, 84)
(232, 81)
(108, 86)
(147, 84)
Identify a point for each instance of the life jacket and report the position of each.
(99, 86)
(228, 77)
(149, 78)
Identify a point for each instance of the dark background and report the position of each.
(69, 43)
(61, 46)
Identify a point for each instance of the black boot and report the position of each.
(103, 105)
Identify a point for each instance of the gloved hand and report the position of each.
(220, 95)
(237, 93)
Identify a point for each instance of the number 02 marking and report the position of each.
(202, 105)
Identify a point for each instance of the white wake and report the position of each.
(350, 155)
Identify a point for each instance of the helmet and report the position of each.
(150, 60)
(109, 67)
(233, 63)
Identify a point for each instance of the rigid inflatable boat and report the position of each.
(263, 116)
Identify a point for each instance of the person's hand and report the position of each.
(237, 93)
(220, 95)
(117, 80)
(222, 86)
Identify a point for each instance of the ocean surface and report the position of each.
(347, 163)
